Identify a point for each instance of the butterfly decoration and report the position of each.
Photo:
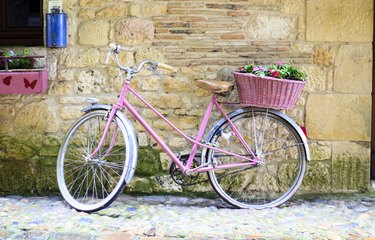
(31, 84)
(6, 80)
(23, 82)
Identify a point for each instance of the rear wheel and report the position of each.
(90, 183)
(274, 140)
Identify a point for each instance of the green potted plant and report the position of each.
(11, 60)
(276, 85)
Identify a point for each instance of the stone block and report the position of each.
(265, 2)
(12, 149)
(113, 11)
(323, 56)
(90, 81)
(6, 111)
(66, 74)
(177, 84)
(181, 122)
(72, 100)
(143, 139)
(178, 143)
(134, 31)
(6, 127)
(93, 32)
(52, 66)
(350, 166)
(71, 112)
(82, 57)
(67, 4)
(262, 26)
(148, 162)
(185, 122)
(72, 26)
(339, 20)
(293, 7)
(317, 79)
(320, 150)
(86, 13)
(149, 53)
(16, 178)
(317, 178)
(140, 185)
(90, 3)
(151, 83)
(61, 88)
(38, 117)
(165, 161)
(353, 69)
(148, 9)
(167, 101)
(339, 117)
(45, 179)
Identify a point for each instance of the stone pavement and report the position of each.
(167, 217)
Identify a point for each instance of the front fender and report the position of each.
(133, 151)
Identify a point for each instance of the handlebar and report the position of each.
(115, 48)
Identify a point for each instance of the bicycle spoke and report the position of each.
(79, 176)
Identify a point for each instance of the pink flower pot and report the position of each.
(23, 82)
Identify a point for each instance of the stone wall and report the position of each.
(330, 40)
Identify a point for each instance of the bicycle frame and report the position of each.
(122, 104)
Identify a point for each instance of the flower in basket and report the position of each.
(276, 70)
(16, 60)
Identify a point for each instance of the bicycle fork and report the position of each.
(111, 116)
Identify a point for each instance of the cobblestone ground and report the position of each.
(166, 217)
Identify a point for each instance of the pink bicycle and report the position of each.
(254, 157)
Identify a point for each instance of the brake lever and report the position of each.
(154, 69)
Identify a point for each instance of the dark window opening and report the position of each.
(21, 22)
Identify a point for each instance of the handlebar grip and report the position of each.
(167, 67)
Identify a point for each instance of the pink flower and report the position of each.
(280, 63)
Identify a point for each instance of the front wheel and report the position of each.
(92, 182)
(276, 142)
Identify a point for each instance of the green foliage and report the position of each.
(16, 60)
(276, 70)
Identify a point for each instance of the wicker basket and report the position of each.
(267, 91)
